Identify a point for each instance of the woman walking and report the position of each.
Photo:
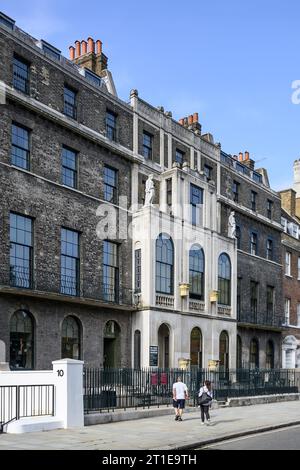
(205, 399)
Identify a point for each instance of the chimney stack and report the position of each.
(296, 185)
(88, 54)
(190, 120)
(241, 157)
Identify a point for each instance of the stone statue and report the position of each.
(232, 225)
(150, 191)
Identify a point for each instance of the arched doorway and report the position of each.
(254, 354)
(164, 346)
(270, 355)
(196, 347)
(137, 350)
(224, 352)
(112, 345)
(21, 340)
(71, 339)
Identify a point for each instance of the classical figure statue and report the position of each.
(232, 225)
(150, 191)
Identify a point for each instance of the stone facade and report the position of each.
(37, 192)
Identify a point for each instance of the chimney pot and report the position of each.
(78, 48)
(247, 156)
(195, 117)
(83, 47)
(190, 120)
(241, 156)
(99, 47)
(91, 45)
(181, 122)
(72, 52)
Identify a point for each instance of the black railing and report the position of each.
(53, 282)
(25, 401)
(257, 318)
(109, 389)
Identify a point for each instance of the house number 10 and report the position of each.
(60, 373)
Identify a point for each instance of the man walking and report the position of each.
(180, 394)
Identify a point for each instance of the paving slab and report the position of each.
(160, 432)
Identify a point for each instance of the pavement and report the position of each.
(161, 432)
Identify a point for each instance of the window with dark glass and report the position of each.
(239, 298)
(179, 156)
(270, 302)
(69, 167)
(270, 249)
(254, 299)
(238, 235)
(169, 191)
(254, 354)
(51, 51)
(111, 125)
(224, 280)
(21, 75)
(137, 349)
(20, 149)
(21, 251)
(70, 109)
(270, 209)
(21, 354)
(235, 191)
(253, 243)
(7, 21)
(70, 262)
(196, 266)
(164, 265)
(253, 200)
(70, 340)
(147, 145)
(239, 353)
(270, 355)
(110, 185)
(208, 171)
(196, 201)
(110, 272)
(138, 270)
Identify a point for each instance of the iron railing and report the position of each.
(109, 389)
(260, 318)
(53, 282)
(25, 401)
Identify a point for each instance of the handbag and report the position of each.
(204, 399)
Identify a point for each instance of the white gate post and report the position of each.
(68, 379)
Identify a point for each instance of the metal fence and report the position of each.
(110, 389)
(24, 401)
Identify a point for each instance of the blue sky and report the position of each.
(231, 61)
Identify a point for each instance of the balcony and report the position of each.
(224, 310)
(53, 285)
(262, 320)
(165, 301)
(196, 305)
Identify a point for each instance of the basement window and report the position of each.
(7, 21)
(50, 50)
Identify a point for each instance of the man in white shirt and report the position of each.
(180, 394)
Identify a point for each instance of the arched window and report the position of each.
(224, 351)
(224, 284)
(164, 346)
(239, 361)
(196, 347)
(137, 349)
(112, 345)
(70, 341)
(254, 354)
(164, 265)
(270, 355)
(21, 340)
(196, 266)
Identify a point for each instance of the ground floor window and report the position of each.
(71, 339)
(21, 340)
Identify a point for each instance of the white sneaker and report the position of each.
(202, 422)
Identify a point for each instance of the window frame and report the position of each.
(111, 296)
(26, 248)
(74, 288)
(64, 167)
(111, 130)
(147, 147)
(68, 105)
(18, 78)
(18, 147)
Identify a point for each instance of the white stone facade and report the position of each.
(166, 321)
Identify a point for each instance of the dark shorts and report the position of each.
(179, 404)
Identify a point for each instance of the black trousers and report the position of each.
(204, 412)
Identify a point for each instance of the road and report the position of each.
(280, 439)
